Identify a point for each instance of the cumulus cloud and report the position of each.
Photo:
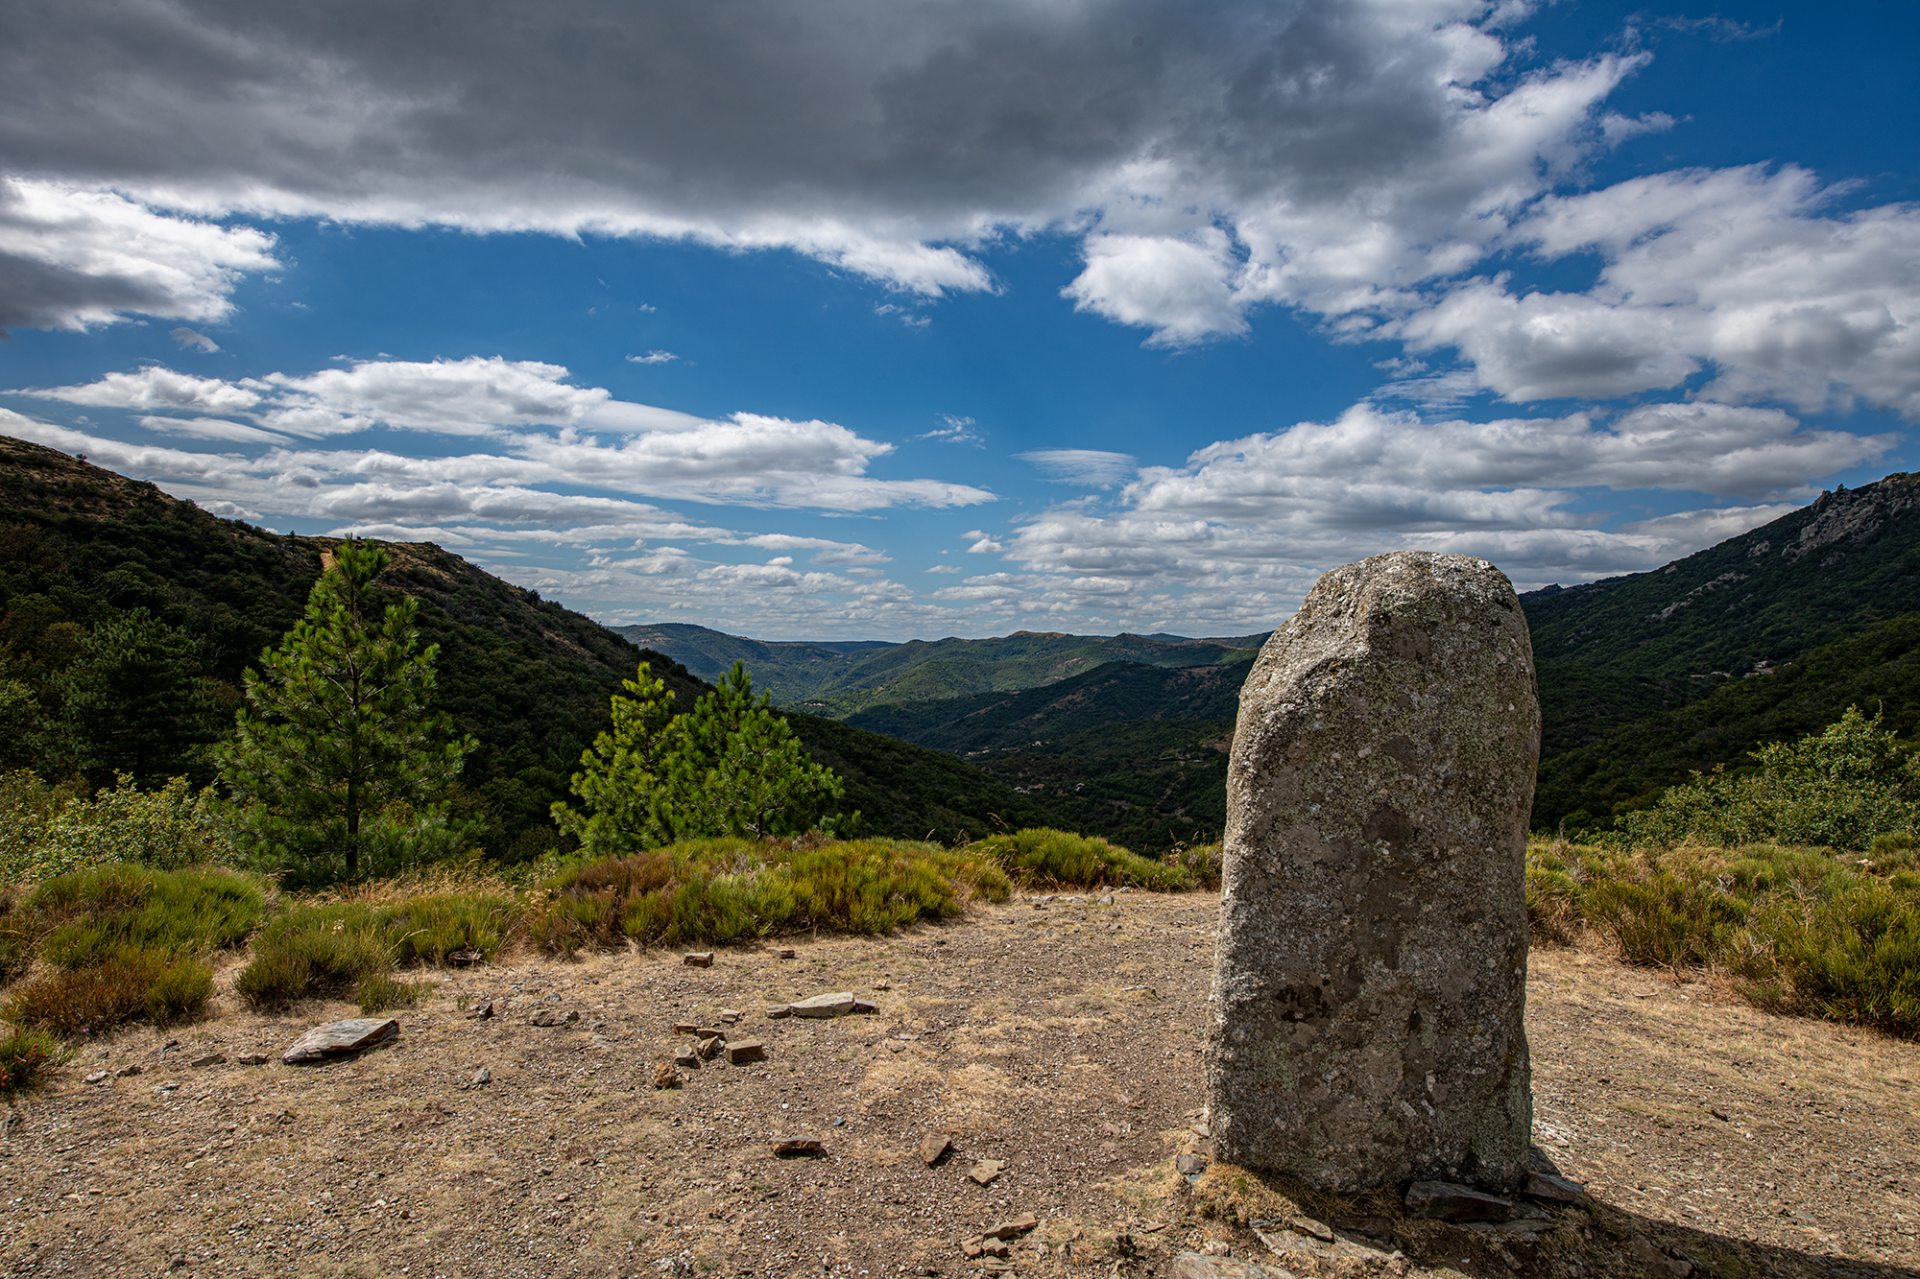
(193, 340)
(1748, 277)
(541, 428)
(72, 258)
(653, 357)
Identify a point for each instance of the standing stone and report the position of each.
(1366, 1021)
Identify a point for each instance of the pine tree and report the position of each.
(731, 766)
(136, 701)
(337, 758)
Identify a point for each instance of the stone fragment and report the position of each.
(1553, 1188)
(341, 1039)
(799, 1148)
(686, 1028)
(482, 1011)
(1365, 1027)
(1193, 1265)
(465, 958)
(837, 1004)
(731, 1016)
(1449, 1201)
(710, 1032)
(666, 1076)
(252, 1059)
(971, 1247)
(745, 1052)
(97, 1077)
(687, 1060)
(984, 1172)
(129, 1070)
(1020, 1225)
(1190, 1165)
(481, 1078)
(995, 1248)
(779, 1010)
(785, 952)
(864, 1007)
(710, 1048)
(934, 1147)
(554, 1017)
(208, 1059)
(698, 959)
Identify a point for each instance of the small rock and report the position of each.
(129, 1070)
(837, 1004)
(731, 1016)
(799, 1148)
(710, 1032)
(97, 1077)
(554, 1017)
(341, 1038)
(971, 1247)
(698, 959)
(1717, 1113)
(1107, 900)
(995, 1248)
(1190, 1165)
(1020, 1225)
(1311, 1228)
(785, 952)
(463, 958)
(710, 1048)
(687, 1060)
(934, 1147)
(1446, 1201)
(481, 1078)
(252, 1059)
(209, 1059)
(865, 1007)
(666, 1076)
(779, 1010)
(746, 1052)
(686, 1027)
(1554, 1188)
(984, 1172)
(481, 1011)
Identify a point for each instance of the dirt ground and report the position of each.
(1061, 1039)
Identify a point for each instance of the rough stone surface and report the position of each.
(1192, 1265)
(341, 1038)
(1446, 1201)
(1365, 1027)
(836, 1004)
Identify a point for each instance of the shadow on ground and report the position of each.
(1303, 1232)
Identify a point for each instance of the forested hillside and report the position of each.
(127, 616)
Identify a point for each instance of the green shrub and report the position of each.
(25, 1059)
(719, 891)
(90, 915)
(1058, 859)
(45, 833)
(132, 985)
(352, 947)
(1842, 787)
(1201, 861)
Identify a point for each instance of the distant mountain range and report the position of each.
(1644, 677)
(1766, 636)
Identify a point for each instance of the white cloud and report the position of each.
(1747, 274)
(653, 357)
(954, 430)
(212, 428)
(1180, 287)
(1092, 468)
(155, 387)
(193, 340)
(72, 258)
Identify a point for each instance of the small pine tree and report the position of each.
(731, 766)
(136, 701)
(337, 759)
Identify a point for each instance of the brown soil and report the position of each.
(1062, 1040)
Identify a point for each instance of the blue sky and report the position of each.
(855, 321)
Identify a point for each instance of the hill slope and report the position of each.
(842, 679)
(530, 679)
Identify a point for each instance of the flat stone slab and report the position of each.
(1446, 1201)
(1192, 1265)
(837, 1004)
(341, 1039)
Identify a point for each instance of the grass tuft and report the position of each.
(1059, 859)
(133, 985)
(26, 1058)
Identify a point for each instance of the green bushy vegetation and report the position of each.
(1201, 861)
(25, 1059)
(1060, 859)
(353, 947)
(732, 890)
(47, 831)
(1801, 930)
(122, 942)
